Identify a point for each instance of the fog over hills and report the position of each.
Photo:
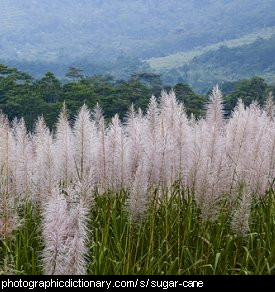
(199, 42)
(106, 29)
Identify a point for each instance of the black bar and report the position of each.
(46, 283)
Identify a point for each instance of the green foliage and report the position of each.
(171, 239)
(74, 73)
(23, 96)
(194, 103)
(254, 89)
(21, 253)
(49, 88)
(227, 65)
(162, 64)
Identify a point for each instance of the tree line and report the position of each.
(21, 95)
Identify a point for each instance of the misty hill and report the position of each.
(227, 63)
(69, 30)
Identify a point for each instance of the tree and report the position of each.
(74, 74)
(12, 82)
(254, 89)
(49, 87)
(151, 80)
(193, 102)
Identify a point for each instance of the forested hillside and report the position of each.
(196, 42)
(21, 95)
(137, 137)
(225, 65)
(66, 30)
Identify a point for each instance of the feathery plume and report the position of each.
(45, 178)
(139, 195)
(210, 182)
(23, 161)
(100, 162)
(241, 215)
(65, 234)
(54, 230)
(115, 155)
(134, 132)
(8, 211)
(84, 145)
(269, 106)
(64, 149)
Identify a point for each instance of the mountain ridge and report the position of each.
(66, 30)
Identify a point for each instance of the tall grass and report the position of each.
(171, 239)
(160, 193)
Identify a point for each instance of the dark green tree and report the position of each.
(74, 74)
(250, 90)
(194, 103)
(49, 87)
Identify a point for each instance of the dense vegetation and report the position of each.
(160, 194)
(117, 156)
(225, 64)
(121, 37)
(171, 241)
(107, 29)
(23, 96)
